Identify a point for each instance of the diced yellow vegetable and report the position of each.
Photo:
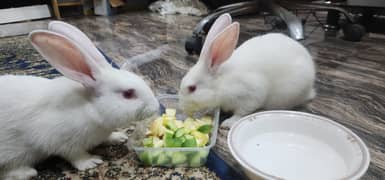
(156, 127)
(169, 123)
(202, 139)
(148, 133)
(207, 119)
(168, 118)
(179, 123)
(199, 123)
(189, 124)
(157, 142)
(170, 112)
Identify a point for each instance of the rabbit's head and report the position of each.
(198, 88)
(116, 95)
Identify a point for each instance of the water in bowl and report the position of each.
(293, 156)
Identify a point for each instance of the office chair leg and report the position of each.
(294, 24)
(353, 30)
(194, 44)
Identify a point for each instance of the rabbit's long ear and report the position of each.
(222, 47)
(219, 25)
(77, 36)
(66, 56)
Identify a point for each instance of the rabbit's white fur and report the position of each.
(271, 71)
(41, 117)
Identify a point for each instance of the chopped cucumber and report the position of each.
(149, 157)
(145, 158)
(205, 128)
(169, 142)
(169, 123)
(204, 153)
(178, 158)
(181, 139)
(168, 134)
(180, 132)
(188, 136)
(190, 141)
(148, 142)
(156, 142)
(201, 138)
(195, 160)
(163, 159)
(155, 154)
(174, 142)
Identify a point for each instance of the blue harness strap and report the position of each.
(109, 60)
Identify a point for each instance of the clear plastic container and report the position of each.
(170, 156)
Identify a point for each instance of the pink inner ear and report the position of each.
(76, 35)
(224, 44)
(219, 25)
(63, 55)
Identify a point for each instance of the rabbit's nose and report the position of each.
(191, 88)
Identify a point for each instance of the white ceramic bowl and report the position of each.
(296, 145)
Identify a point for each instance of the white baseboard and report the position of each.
(22, 28)
(11, 15)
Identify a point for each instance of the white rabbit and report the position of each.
(68, 115)
(271, 71)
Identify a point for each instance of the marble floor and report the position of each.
(350, 81)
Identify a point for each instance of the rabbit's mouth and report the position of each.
(146, 113)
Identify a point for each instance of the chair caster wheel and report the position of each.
(278, 23)
(353, 32)
(193, 45)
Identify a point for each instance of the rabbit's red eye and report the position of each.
(191, 88)
(129, 94)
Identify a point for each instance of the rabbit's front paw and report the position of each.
(117, 138)
(227, 123)
(87, 162)
(21, 173)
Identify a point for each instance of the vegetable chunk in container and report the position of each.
(174, 139)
